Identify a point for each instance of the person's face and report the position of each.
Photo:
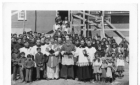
(52, 40)
(20, 36)
(88, 43)
(67, 38)
(42, 40)
(38, 42)
(108, 39)
(47, 41)
(93, 42)
(96, 55)
(22, 55)
(66, 18)
(19, 40)
(104, 40)
(15, 35)
(35, 34)
(82, 42)
(59, 40)
(106, 43)
(65, 33)
(99, 47)
(77, 42)
(113, 55)
(32, 40)
(26, 44)
(98, 42)
(13, 39)
(24, 37)
(31, 32)
(39, 50)
(102, 43)
(59, 34)
(55, 41)
(124, 39)
(120, 45)
(114, 46)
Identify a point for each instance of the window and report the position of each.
(119, 19)
(22, 15)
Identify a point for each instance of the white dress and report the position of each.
(109, 71)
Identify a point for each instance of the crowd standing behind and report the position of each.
(36, 56)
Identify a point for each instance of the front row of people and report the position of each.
(68, 61)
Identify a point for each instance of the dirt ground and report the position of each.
(123, 81)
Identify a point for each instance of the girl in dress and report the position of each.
(103, 67)
(109, 71)
(120, 65)
(97, 67)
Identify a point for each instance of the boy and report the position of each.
(29, 64)
(21, 64)
(15, 58)
(39, 62)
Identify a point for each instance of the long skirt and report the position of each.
(84, 73)
(67, 71)
(53, 72)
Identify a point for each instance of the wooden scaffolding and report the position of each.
(98, 20)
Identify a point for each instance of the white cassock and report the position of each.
(82, 60)
(34, 50)
(26, 50)
(43, 48)
(76, 51)
(52, 71)
(91, 51)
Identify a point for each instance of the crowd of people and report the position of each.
(66, 55)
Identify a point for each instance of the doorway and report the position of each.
(63, 14)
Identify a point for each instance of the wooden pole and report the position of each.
(69, 16)
(71, 20)
(24, 22)
(102, 32)
(87, 26)
(84, 32)
(35, 21)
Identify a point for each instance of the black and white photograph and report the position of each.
(70, 47)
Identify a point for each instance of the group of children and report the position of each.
(106, 69)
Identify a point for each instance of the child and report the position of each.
(39, 62)
(15, 59)
(120, 65)
(103, 67)
(29, 64)
(109, 71)
(113, 65)
(96, 67)
(22, 66)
